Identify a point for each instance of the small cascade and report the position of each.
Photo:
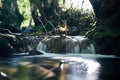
(66, 44)
(29, 43)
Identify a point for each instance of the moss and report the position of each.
(105, 37)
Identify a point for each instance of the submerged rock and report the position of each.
(34, 52)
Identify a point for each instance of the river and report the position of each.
(51, 66)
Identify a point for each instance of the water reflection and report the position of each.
(59, 68)
(73, 68)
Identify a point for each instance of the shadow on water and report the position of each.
(60, 67)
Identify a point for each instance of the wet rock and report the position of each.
(12, 43)
(5, 43)
(34, 52)
(4, 76)
(67, 44)
(42, 73)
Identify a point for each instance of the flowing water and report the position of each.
(75, 60)
(68, 44)
(60, 67)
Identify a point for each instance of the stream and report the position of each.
(51, 66)
(62, 58)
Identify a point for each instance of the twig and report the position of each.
(42, 25)
(51, 25)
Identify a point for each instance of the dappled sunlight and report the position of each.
(79, 4)
(0, 4)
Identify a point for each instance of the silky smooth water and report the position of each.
(67, 44)
(60, 67)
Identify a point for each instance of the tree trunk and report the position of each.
(34, 12)
(15, 10)
(10, 15)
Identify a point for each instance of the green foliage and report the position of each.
(105, 36)
(77, 19)
(38, 30)
(24, 8)
(107, 28)
(51, 11)
(10, 17)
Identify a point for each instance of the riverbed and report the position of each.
(52, 66)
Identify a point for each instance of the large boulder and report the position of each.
(14, 44)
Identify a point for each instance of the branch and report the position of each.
(42, 25)
(50, 24)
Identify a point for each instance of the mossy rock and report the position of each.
(10, 44)
(5, 40)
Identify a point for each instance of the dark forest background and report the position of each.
(102, 26)
(44, 16)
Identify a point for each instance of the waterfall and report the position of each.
(68, 44)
